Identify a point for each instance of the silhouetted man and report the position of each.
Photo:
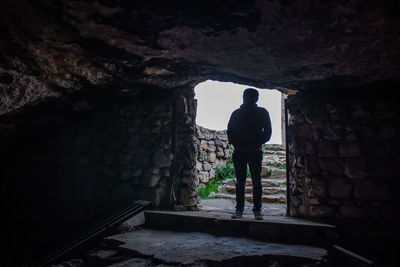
(249, 127)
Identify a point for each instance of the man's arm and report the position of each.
(266, 135)
(231, 129)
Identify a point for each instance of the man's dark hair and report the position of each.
(250, 96)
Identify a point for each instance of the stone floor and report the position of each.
(228, 206)
(150, 246)
(155, 247)
(202, 249)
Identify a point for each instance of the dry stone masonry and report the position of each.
(185, 180)
(343, 161)
(87, 160)
(92, 161)
(213, 151)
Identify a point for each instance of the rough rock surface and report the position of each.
(61, 47)
(195, 247)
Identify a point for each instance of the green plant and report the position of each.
(211, 186)
(229, 160)
(282, 166)
(222, 173)
(226, 171)
(231, 181)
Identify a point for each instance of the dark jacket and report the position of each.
(249, 127)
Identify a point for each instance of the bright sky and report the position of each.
(217, 100)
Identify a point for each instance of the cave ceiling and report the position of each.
(51, 49)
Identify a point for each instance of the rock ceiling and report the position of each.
(55, 48)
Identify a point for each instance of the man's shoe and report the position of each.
(258, 215)
(238, 214)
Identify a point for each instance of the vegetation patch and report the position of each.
(282, 166)
(224, 172)
(211, 186)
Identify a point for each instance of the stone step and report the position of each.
(277, 153)
(271, 229)
(270, 154)
(274, 157)
(274, 198)
(269, 182)
(278, 173)
(264, 181)
(266, 190)
(265, 171)
(268, 171)
(274, 147)
(273, 160)
(272, 172)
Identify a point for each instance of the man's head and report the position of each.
(250, 96)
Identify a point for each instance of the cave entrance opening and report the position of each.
(215, 103)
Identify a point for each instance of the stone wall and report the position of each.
(343, 161)
(100, 160)
(185, 181)
(213, 151)
(66, 171)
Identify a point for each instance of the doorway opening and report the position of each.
(215, 103)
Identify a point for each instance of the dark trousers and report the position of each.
(240, 161)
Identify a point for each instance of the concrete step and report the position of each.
(276, 198)
(272, 228)
(266, 190)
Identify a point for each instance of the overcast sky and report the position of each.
(217, 100)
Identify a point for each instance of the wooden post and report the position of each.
(283, 118)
